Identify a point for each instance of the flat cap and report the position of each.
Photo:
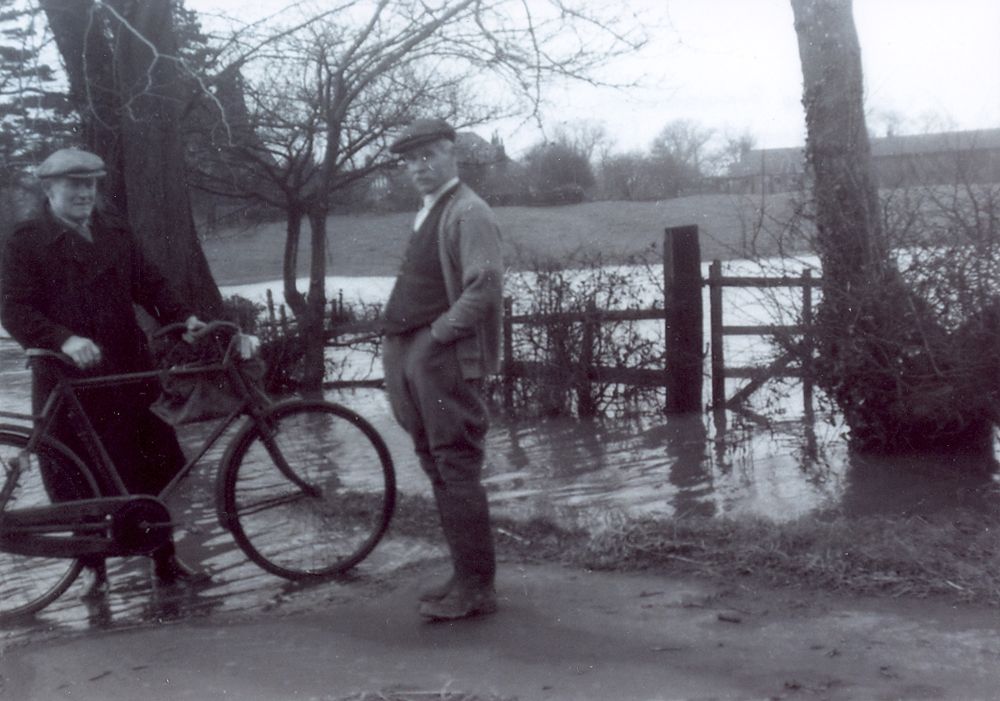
(420, 132)
(71, 163)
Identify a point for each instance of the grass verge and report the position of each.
(955, 554)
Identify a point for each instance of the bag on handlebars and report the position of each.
(207, 395)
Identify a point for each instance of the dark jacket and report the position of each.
(55, 284)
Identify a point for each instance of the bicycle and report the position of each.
(306, 487)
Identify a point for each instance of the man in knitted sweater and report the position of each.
(442, 326)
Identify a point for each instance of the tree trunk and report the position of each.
(151, 92)
(848, 227)
(310, 308)
(314, 333)
(80, 35)
(882, 357)
(129, 99)
(290, 264)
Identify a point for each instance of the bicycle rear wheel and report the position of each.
(307, 492)
(29, 583)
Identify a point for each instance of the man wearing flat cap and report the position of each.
(442, 325)
(68, 283)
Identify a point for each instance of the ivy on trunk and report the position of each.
(896, 374)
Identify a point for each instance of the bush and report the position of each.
(561, 347)
(281, 348)
(911, 357)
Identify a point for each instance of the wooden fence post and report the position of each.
(270, 306)
(718, 359)
(807, 344)
(507, 362)
(586, 407)
(682, 286)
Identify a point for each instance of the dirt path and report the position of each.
(561, 634)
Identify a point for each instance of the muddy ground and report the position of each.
(561, 633)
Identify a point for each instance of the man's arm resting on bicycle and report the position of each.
(85, 353)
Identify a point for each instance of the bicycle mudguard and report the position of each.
(106, 526)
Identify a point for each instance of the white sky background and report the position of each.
(733, 66)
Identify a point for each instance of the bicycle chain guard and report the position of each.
(106, 526)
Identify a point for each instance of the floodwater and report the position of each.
(590, 474)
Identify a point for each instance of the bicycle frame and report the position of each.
(255, 483)
(253, 403)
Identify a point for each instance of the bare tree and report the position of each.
(685, 142)
(585, 136)
(323, 101)
(734, 148)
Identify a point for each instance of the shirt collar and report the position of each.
(431, 199)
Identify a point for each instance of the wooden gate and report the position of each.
(794, 362)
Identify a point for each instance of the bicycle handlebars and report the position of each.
(172, 328)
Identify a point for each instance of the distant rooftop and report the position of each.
(936, 143)
(779, 161)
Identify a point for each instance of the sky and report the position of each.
(732, 66)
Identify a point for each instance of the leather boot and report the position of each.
(438, 591)
(169, 569)
(462, 602)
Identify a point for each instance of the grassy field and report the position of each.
(372, 244)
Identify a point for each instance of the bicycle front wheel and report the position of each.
(308, 490)
(29, 583)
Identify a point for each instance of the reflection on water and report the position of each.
(919, 484)
(581, 471)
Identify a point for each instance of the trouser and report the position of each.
(143, 448)
(447, 419)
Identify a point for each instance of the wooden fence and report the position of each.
(682, 372)
(794, 362)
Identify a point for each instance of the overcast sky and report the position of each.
(732, 66)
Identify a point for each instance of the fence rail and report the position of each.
(681, 313)
(794, 362)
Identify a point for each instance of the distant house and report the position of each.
(918, 159)
(767, 171)
(958, 156)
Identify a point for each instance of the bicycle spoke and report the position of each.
(29, 583)
(347, 470)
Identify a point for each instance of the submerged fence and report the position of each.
(680, 371)
(681, 368)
